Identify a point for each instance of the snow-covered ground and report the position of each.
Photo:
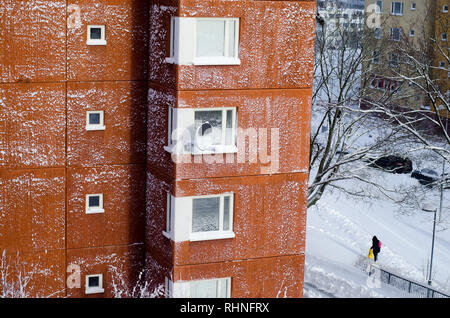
(339, 233)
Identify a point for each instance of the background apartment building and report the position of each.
(91, 93)
(407, 29)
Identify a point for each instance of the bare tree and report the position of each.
(345, 137)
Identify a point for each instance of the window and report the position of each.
(413, 6)
(376, 57)
(444, 36)
(377, 33)
(199, 218)
(95, 120)
(395, 34)
(379, 7)
(397, 8)
(169, 215)
(94, 203)
(205, 288)
(394, 60)
(202, 130)
(442, 64)
(412, 33)
(94, 284)
(445, 8)
(204, 41)
(96, 35)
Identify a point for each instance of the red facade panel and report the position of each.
(125, 55)
(32, 41)
(124, 107)
(123, 190)
(32, 125)
(32, 213)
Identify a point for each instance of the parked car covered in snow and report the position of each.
(425, 176)
(391, 163)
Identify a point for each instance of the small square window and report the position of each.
(94, 203)
(445, 8)
(96, 35)
(95, 120)
(412, 33)
(444, 36)
(442, 64)
(413, 6)
(94, 284)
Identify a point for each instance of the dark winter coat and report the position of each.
(375, 245)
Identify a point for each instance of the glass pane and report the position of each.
(210, 38)
(204, 289)
(226, 213)
(205, 214)
(94, 281)
(229, 128)
(96, 33)
(213, 135)
(94, 119)
(232, 38)
(223, 288)
(94, 201)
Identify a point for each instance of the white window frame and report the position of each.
(445, 8)
(182, 289)
(393, 6)
(413, 6)
(379, 6)
(183, 43)
(101, 41)
(412, 33)
(214, 235)
(444, 36)
(94, 210)
(399, 34)
(442, 65)
(94, 290)
(101, 125)
(180, 128)
(181, 214)
(170, 203)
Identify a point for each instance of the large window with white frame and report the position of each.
(199, 218)
(204, 41)
(397, 8)
(202, 130)
(204, 288)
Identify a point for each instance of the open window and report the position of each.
(202, 130)
(94, 284)
(94, 203)
(204, 41)
(96, 35)
(95, 120)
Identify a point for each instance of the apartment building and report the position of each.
(97, 179)
(405, 27)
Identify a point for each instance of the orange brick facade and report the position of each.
(49, 162)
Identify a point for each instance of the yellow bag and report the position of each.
(371, 254)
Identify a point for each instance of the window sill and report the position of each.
(167, 235)
(92, 128)
(199, 61)
(169, 60)
(95, 211)
(214, 150)
(96, 290)
(209, 236)
(96, 42)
